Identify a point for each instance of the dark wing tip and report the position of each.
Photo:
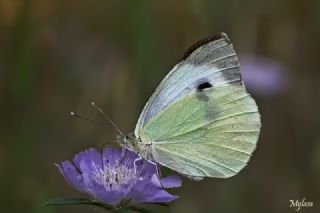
(218, 36)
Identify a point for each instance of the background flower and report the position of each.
(263, 76)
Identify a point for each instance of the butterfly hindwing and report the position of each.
(213, 138)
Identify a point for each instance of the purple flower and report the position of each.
(264, 76)
(109, 177)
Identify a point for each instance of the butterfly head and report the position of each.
(127, 141)
(134, 144)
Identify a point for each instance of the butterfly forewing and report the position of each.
(214, 62)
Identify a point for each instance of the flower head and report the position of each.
(111, 177)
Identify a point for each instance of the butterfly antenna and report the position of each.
(107, 118)
(76, 115)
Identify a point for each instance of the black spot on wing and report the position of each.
(203, 86)
(202, 42)
(200, 87)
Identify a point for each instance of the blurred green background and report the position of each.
(57, 56)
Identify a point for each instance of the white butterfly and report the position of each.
(200, 121)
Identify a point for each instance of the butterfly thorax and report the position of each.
(134, 144)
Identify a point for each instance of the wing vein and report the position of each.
(209, 160)
(222, 58)
(191, 165)
(218, 119)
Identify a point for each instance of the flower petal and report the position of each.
(161, 196)
(101, 193)
(89, 161)
(172, 181)
(71, 175)
(111, 156)
(146, 191)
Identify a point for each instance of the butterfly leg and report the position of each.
(123, 155)
(134, 164)
(123, 152)
(158, 172)
(157, 168)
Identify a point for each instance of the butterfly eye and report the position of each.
(203, 86)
